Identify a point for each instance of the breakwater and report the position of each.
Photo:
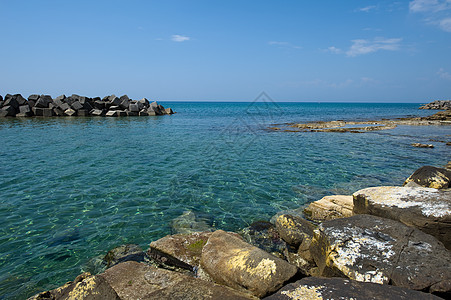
(75, 105)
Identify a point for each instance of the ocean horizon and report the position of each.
(73, 188)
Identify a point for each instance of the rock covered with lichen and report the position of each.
(427, 209)
(433, 177)
(232, 262)
(330, 207)
(367, 248)
(315, 288)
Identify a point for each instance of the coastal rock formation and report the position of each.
(438, 104)
(132, 280)
(330, 207)
(340, 288)
(128, 252)
(427, 209)
(432, 177)
(263, 234)
(188, 222)
(419, 145)
(239, 265)
(372, 249)
(185, 247)
(75, 105)
(85, 286)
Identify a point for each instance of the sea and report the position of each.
(73, 188)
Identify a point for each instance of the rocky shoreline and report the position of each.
(81, 106)
(379, 243)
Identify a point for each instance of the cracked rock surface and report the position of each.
(372, 249)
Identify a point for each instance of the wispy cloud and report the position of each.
(179, 38)
(361, 46)
(333, 49)
(367, 8)
(284, 44)
(436, 12)
(443, 74)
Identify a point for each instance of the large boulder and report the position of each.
(341, 288)
(132, 280)
(427, 176)
(427, 209)
(232, 262)
(85, 286)
(330, 207)
(184, 247)
(294, 230)
(372, 249)
(263, 234)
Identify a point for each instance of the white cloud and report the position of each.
(284, 44)
(179, 38)
(367, 8)
(436, 12)
(360, 47)
(443, 74)
(445, 24)
(429, 5)
(333, 49)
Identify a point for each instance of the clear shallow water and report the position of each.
(71, 189)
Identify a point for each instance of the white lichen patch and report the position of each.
(305, 292)
(352, 245)
(430, 201)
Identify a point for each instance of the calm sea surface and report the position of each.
(73, 188)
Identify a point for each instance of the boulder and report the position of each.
(372, 249)
(432, 177)
(143, 113)
(128, 252)
(185, 247)
(133, 107)
(25, 109)
(47, 112)
(37, 111)
(12, 102)
(188, 222)
(43, 101)
(99, 104)
(8, 111)
(341, 288)
(294, 230)
(21, 100)
(234, 263)
(427, 209)
(64, 106)
(59, 98)
(121, 113)
(58, 111)
(132, 280)
(263, 234)
(169, 111)
(83, 113)
(85, 286)
(33, 97)
(330, 207)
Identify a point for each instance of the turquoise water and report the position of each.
(73, 188)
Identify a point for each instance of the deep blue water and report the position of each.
(73, 188)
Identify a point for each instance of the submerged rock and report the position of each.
(188, 222)
(239, 265)
(419, 145)
(427, 176)
(85, 286)
(427, 209)
(132, 280)
(128, 252)
(373, 249)
(330, 207)
(263, 234)
(340, 288)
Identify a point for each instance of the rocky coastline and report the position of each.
(81, 106)
(391, 242)
(438, 104)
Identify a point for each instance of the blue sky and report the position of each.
(356, 51)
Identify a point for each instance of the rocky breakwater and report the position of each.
(75, 105)
(438, 104)
(364, 249)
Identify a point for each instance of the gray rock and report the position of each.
(12, 102)
(114, 101)
(263, 234)
(372, 249)
(239, 265)
(128, 252)
(21, 100)
(76, 105)
(188, 222)
(59, 98)
(47, 112)
(43, 101)
(84, 287)
(8, 111)
(64, 106)
(37, 111)
(83, 113)
(294, 230)
(341, 288)
(132, 113)
(58, 112)
(33, 97)
(111, 113)
(432, 177)
(143, 113)
(121, 113)
(99, 104)
(169, 111)
(427, 209)
(132, 280)
(133, 107)
(97, 112)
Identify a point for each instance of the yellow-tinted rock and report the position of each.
(237, 264)
(331, 207)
